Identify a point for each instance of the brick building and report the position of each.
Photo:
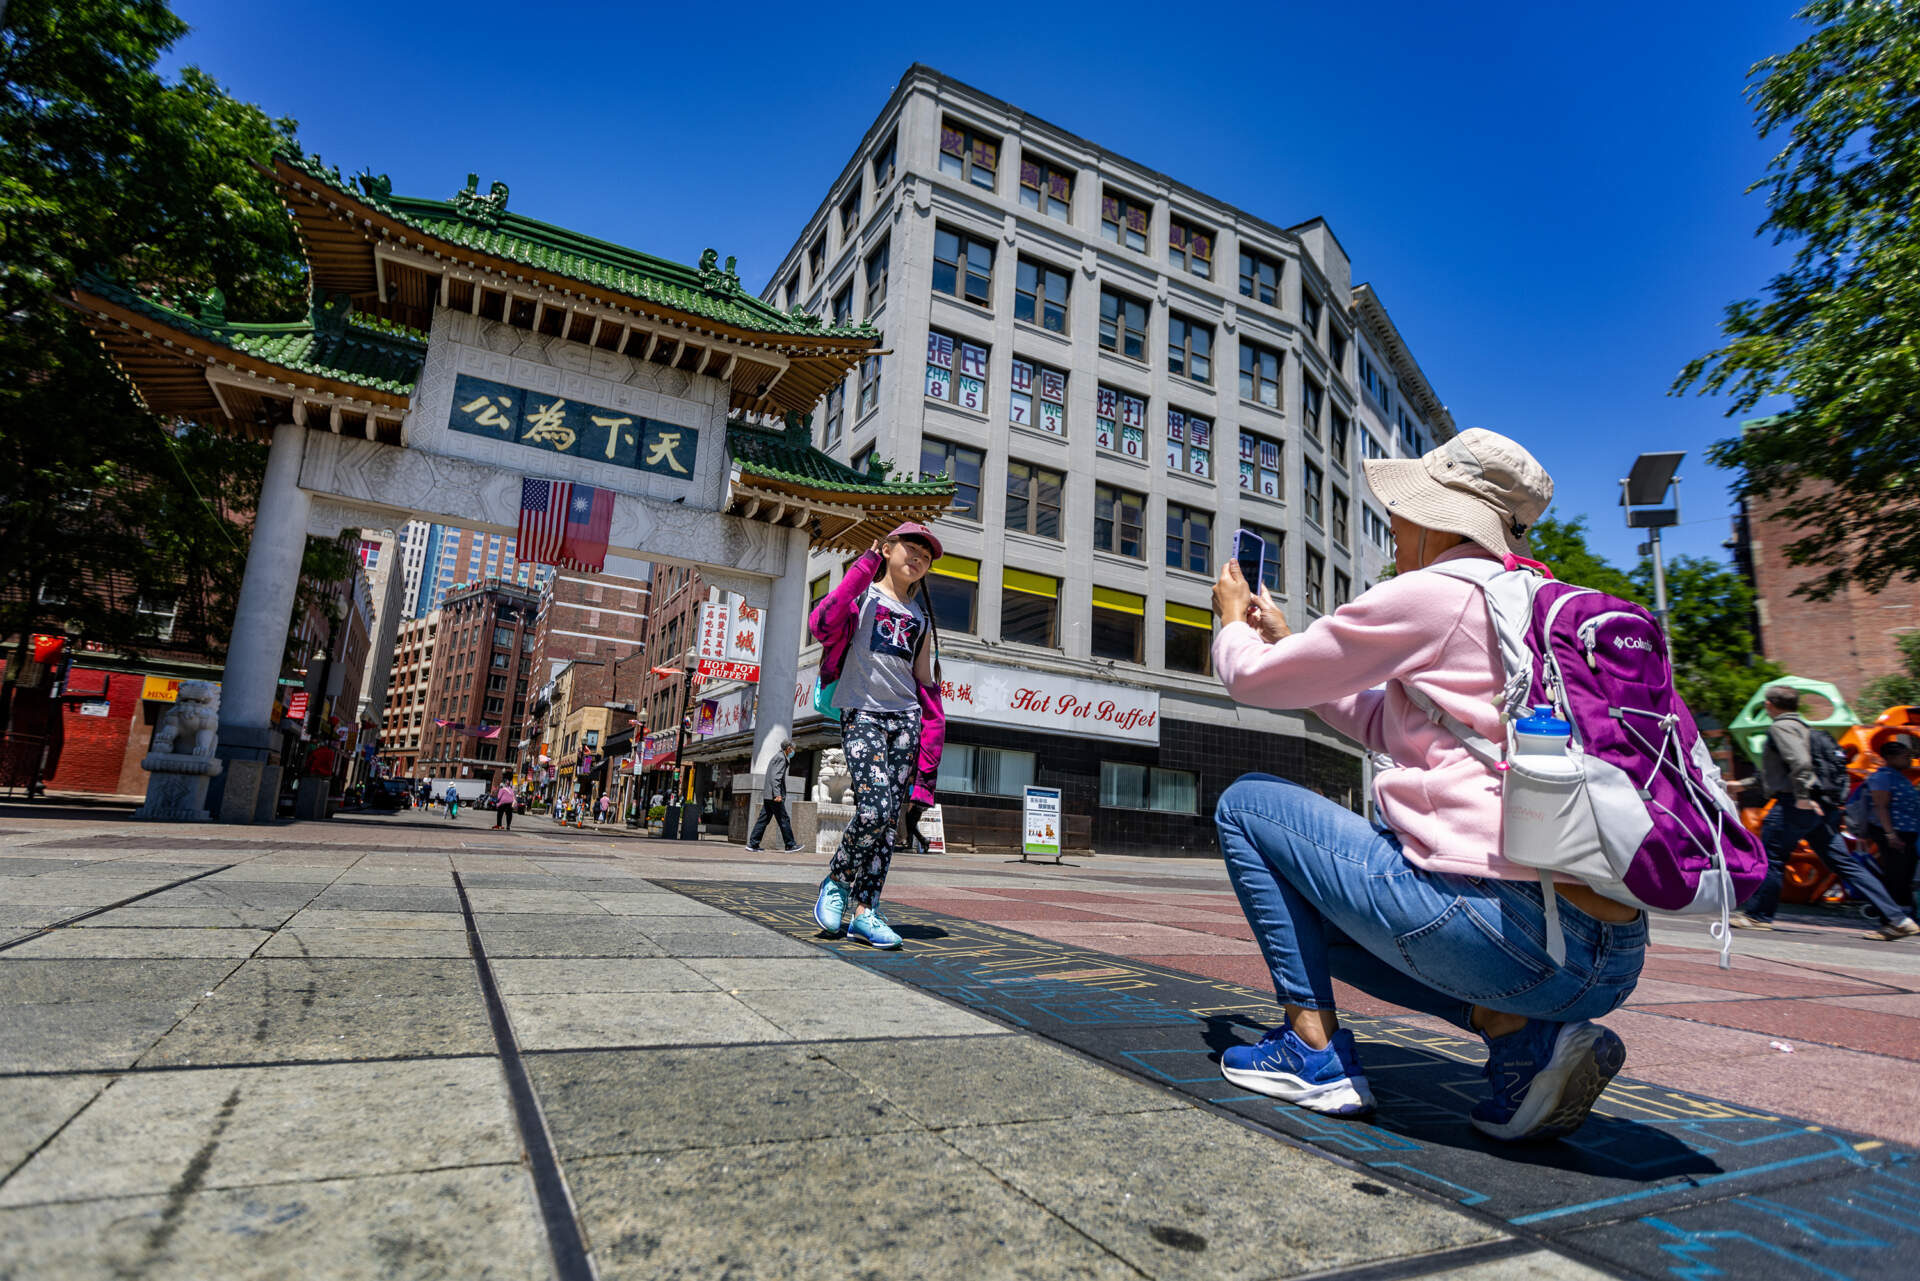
(482, 657)
(402, 729)
(594, 620)
(672, 632)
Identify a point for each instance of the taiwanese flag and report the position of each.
(583, 543)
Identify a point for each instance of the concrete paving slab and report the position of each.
(16, 921)
(1167, 1191)
(295, 941)
(1539, 1265)
(504, 936)
(939, 1082)
(531, 900)
(140, 916)
(89, 1036)
(36, 1106)
(605, 1103)
(276, 873)
(380, 898)
(13, 866)
(719, 941)
(299, 1022)
(88, 891)
(26, 981)
(655, 904)
(476, 1224)
(316, 918)
(572, 1022)
(134, 942)
(891, 1011)
(599, 974)
(277, 1125)
(874, 1205)
(786, 974)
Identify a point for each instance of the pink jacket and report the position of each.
(1428, 629)
(832, 623)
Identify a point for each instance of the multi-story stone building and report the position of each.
(482, 657)
(1119, 371)
(413, 563)
(459, 557)
(403, 727)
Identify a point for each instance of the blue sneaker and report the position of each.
(1285, 1067)
(830, 908)
(1546, 1078)
(868, 928)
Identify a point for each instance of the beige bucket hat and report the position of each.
(1480, 485)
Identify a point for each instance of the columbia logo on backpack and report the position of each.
(1635, 808)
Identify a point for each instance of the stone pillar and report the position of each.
(251, 780)
(780, 663)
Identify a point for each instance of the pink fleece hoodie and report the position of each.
(1427, 629)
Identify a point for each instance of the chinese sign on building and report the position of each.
(1050, 402)
(562, 426)
(730, 632)
(1120, 423)
(1040, 700)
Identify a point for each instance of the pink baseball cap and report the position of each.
(914, 529)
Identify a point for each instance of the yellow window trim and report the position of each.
(1120, 602)
(958, 567)
(1019, 580)
(1189, 616)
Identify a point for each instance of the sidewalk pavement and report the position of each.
(393, 1046)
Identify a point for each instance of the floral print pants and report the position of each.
(883, 750)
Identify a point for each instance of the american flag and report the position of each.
(564, 524)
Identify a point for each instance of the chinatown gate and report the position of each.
(452, 351)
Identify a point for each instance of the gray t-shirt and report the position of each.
(878, 673)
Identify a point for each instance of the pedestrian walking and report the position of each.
(1428, 891)
(606, 804)
(879, 652)
(1893, 824)
(453, 803)
(1804, 809)
(503, 802)
(773, 801)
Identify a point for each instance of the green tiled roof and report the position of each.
(482, 223)
(330, 343)
(761, 451)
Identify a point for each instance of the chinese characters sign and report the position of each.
(542, 421)
(1051, 385)
(730, 632)
(956, 372)
(1120, 423)
(1189, 444)
(1061, 704)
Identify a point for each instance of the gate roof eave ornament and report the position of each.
(779, 477)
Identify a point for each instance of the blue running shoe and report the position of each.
(830, 908)
(1285, 1067)
(1546, 1078)
(868, 928)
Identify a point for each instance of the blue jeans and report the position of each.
(1299, 863)
(1784, 827)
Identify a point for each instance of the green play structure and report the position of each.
(1749, 728)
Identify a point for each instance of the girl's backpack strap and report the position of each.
(1483, 749)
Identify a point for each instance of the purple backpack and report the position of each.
(1637, 809)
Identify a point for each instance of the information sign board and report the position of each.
(1043, 822)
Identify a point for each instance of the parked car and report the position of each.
(388, 794)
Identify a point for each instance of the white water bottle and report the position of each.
(1542, 799)
(1541, 733)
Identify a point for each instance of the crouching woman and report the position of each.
(1427, 892)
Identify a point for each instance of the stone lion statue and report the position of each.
(191, 726)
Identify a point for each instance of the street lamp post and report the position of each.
(1642, 493)
(676, 825)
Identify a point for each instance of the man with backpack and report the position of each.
(1805, 773)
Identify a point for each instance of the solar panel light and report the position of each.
(1652, 474)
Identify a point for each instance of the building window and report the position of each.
(1148, 787)
(1259, 278)
(1119, 625)
(1189, 639)
(877, 278)
(1260, 465)
(1189, 248)
(1339, 513)
(817, 259)
(863, 460)
(869, 384)
(1311, 480)
(156, 616)
(1046, 187)
(843, 306)
(1338, 436)
(1029, 608)
(1337, 350)
(1124, 219)
(1038, 398)
(1040, 295)
(1313, 402)
(1190, 349)
(958, 463)
(1410, 440)
(1316, 580)
(1123, 325)
(1374, 382)
(850, 215)
(1119, 516)
(953, 585)
(1033, 499)
(1259, 374)
(499, 660)
(495, 706)
(1342, 588)
(1273, 566)
(1120, 422)
(963, 266)
(883, 162)
(956, 372)
(1374, 528)
(1370, 446)
(836, 413)
(1189, 538)
(1189, 444)
(985, 771)
(1310, 314)
(503, 636)
(968, 155)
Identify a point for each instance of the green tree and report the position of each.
(106, 166)
(1838, 332)
(1561, 545)
(1897, 689)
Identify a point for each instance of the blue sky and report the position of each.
(1549, 197)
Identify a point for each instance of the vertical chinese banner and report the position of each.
(748, 625)
(715, 618)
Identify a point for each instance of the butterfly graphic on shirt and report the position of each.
(896, 632)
